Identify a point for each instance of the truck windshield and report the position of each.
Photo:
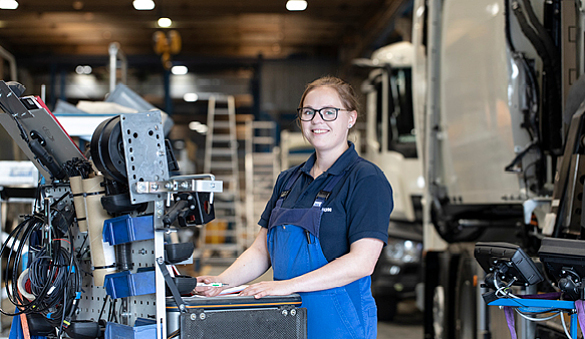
(401, 131)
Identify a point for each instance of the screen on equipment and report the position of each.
(506, 263)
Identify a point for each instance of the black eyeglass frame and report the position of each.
(300, 112)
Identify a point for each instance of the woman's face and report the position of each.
(327, 135)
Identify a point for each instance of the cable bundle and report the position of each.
(51, 284)
(54, 280)
(14, 247)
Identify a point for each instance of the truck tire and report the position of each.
(387, 306)
(465, 298)
(440, 277)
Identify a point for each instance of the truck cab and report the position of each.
(492, 82)
(390, 143)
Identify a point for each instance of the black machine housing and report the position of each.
(564, 260)
(507, 263)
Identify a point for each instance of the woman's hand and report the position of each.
(208, 291)
(265, 288)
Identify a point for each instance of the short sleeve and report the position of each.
(265, 217)
(369, 205)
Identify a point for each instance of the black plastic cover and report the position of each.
(175, 253)
(516, 262)
(84, 330)
(39, 325)
(563, 258)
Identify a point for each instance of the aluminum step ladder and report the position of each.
(262, 168)
(221, 240)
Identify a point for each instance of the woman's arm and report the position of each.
(249, 266)
(358, 263)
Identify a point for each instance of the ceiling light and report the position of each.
(296, 5)
(143, 5)
(198, 127)
(83, 69)
(164, 22)
(190, 97)
(179, 70)
(8, 4)
(78, 5)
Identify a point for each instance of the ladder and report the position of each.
(221, 240)
(261, 169)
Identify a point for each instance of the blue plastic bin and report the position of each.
(143, 329)
(125, 229)
(125, 284)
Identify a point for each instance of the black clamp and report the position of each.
(171, 284)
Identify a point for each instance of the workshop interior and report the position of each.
(142, 139)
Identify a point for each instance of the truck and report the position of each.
(391, 144)
(476, 124)
(495, 86)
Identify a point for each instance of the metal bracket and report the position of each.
(185, 183)
(144, 151)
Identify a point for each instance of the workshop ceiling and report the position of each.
(233, 28)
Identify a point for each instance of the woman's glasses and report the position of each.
(326, 113)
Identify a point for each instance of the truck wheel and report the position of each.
(465, 298)
(387, 307)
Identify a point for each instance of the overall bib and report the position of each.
(293, 243)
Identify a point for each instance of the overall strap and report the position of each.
(287, 187)
(326, 191)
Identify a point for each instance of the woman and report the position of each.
(325, 225)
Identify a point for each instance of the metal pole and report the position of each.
(527, 328)
(11, 60)
(116, 53)
(432, 122)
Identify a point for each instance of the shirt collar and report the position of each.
(346, 159)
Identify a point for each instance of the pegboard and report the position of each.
(93, 297)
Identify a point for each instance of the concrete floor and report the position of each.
(406, 325)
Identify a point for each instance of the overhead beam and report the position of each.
(362, 41)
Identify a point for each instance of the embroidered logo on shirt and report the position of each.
(326, 209)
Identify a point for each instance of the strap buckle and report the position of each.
(323, 195)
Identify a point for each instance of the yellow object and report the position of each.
(214, 232)
(167, 44)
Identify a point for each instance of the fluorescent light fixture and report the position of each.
(164, 22)
(193, 125)
(198, 127)
(190, 97)
(83, 69)
(8, 4)
(143, 5)
(179, 70)
(296, 5)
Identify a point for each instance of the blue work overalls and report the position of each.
(293, 243)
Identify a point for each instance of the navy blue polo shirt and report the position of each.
(359, 205)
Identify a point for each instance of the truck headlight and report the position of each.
(404, 251)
